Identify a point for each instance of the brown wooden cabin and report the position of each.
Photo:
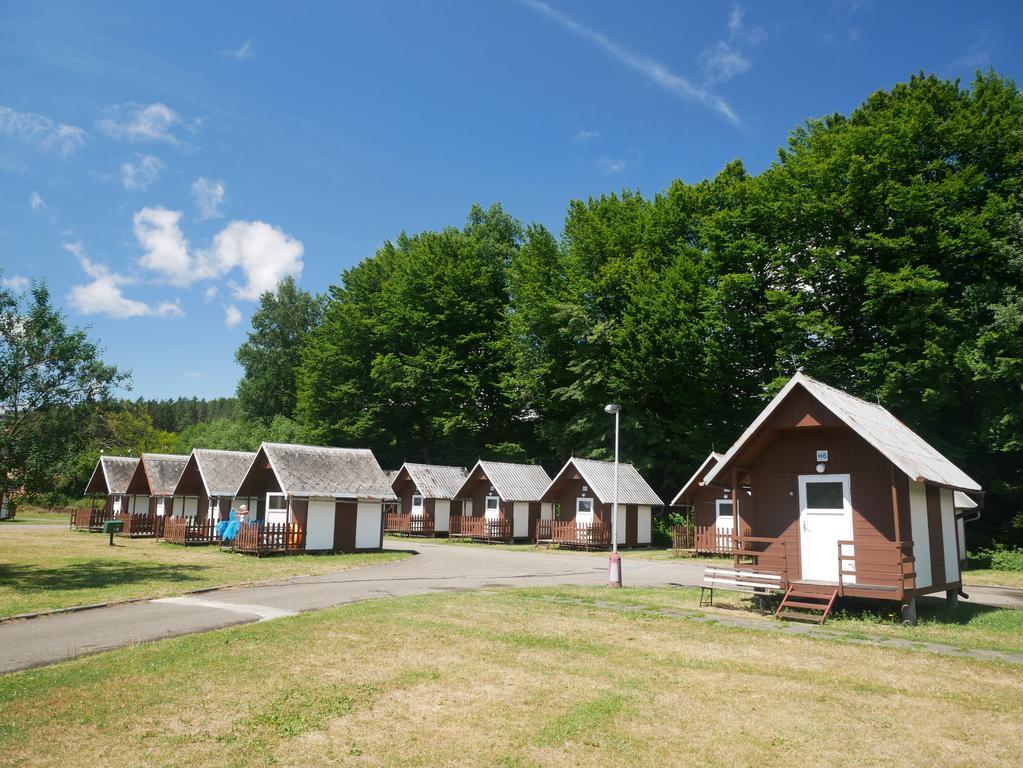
(841, 496)
(501, 502)
(426, 499)
(313, 499)
(708, 509)
(204, 494)
(582, 499)
(107, 487)
(149, 498)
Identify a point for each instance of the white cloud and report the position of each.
(727, 58)
(103, 294)
(135, 122)
(246, 51)
(209, 196)
(649, 68)
(211, 292)
(232, 316)
(41, 131)
(35, 200)
(16, 283)
(194, 374)
(141, 172)
(610, 164)
(585, 135)
(166, 250)
(264, 253)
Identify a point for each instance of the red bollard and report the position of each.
(614, 570)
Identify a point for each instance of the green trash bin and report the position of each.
(111, 527)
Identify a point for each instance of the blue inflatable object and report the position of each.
(224, 525)
(231, 532)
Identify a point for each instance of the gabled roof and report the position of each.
(919, 460)
(221, 471)
(434, 481)
(696, 480)
(310, 470)
(513, 482)
(111, 474)
(962, 501)
(599, 476)
(157, 474)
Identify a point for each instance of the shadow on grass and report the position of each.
(96, 575)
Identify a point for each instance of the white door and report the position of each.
(520, 522)
(368, 528)
(493, 508)
(583, 511)
(825, 518)
(724, 516)
(319, 525)
(441, 515)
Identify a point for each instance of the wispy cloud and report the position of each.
(649, 68)
(16, 283)
(141, 172)
(41, 131)
(103, 294)
(729, 57)
(584, 134)
(246, 51)
(610, 164)
(232, 316)
(36, 202)
(209, 195)
(145, 123)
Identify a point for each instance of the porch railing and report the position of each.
(89, 519)
(479, 528)
(268, 538)
(412, 525)
(186, 530)
(141, 526)
(885, 565)
(568, 533)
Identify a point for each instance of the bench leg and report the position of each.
(710, 600)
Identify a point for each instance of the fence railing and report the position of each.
(572, 534)
(885, 564)
(267, 538)
(89, 519)
(413, 525)
(471, 527)
(142, 526)
(186, 530)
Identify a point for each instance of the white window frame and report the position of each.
(589, 512)
(718, 503)
(417, 509)
(286, 509)
(492, 513)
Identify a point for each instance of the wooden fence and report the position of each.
(410, 525)
(269, 538)
(89, 519)
(187, 530)
(876, 566)
(141, 526)
(479, 528)
(572, 534)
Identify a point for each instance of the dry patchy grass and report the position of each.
(509, 678)
(991, 578)
(44, 568)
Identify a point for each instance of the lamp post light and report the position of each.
(614, 568)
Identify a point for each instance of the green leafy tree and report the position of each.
(271, 354)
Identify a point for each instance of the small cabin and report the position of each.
(583, 496)
(313, 499)
(840, 496)
(426, 499)
(501, 501)
(149, 499)
(710, 520)
(206, 488)
(107, 488)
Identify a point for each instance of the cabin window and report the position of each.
(825, 495)
(276, 508)
(584, 511)
(417, 503)
(492, 507)
(724, 508)
(117, 503)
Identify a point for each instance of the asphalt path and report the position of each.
(435, 568)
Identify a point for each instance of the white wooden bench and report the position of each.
(737, 580)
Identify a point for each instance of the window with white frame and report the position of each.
(117, 504)
(492, 507)
(584, 511)
(276, 508)
(417, 503)
(724, 514)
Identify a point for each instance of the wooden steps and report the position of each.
(807, 602)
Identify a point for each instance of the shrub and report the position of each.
(998, 558)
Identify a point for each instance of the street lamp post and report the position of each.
(614, 568)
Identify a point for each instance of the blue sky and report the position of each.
(161, 164)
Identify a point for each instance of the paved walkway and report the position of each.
(437, 567)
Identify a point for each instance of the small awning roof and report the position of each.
(599, 476)
(512, 482)
(909, 452)
(696, 480)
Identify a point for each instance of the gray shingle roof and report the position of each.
(894, 440)
(308, 470)
(222, 471)
(599, 476)
(513, 482)
(435, 481)
(112, 474)
(690, 485)
(162, 471)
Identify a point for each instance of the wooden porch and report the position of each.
(570, 534)
(479, 528)
(188, 531)
(141, 526)
(408, 524)
(89, 519)
(688, 540)
(268, 539)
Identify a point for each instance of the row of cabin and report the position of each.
(827, 489)
(442, 500)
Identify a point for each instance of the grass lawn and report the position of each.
(36, 516)
(510, 678)
(44, 568)
(993, 578)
